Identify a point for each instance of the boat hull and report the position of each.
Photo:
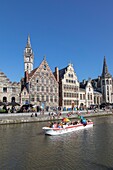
(66, 129)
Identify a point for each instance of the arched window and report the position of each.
(13, 99)
(4, 99)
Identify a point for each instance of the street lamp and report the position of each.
(72, 105)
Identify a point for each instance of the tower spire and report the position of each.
(28, 42)
(105, 72)
(28, 56)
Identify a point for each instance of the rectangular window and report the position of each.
(4, 89)
(38, 88)
(47, 98)
(55, 90)
(42, 98)
(32, 98)
(51, 98)
(55, 99)
(42, 88)
(13, 89)
(37, 98)
(51, 89)
(83, 96)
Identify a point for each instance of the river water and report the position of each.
(25, 147)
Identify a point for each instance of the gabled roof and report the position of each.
(97, 92)
(82, 89)
(62, 72)
(83, 84)
(32, 73)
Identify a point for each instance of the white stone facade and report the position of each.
(9, 91)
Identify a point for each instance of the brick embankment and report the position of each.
(26, 117)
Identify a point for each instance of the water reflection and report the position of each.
(25, 147)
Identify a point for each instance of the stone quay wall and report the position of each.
(15, 118)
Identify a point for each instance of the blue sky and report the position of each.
(76, 31)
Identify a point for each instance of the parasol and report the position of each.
(65, 119)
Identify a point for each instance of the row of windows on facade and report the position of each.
(69, 87)
(43, 80)
(50, 81)
(46, 89)
(70, 81)
(97, 99)
(71, 95)
(5, 90)
(108, 88)
(44, 98)
(5, 99)
(76, 95)
(106, 82)
(69, 102)
(70, 75)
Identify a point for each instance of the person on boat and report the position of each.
(75, 122)
(89, 120)
(55, 125)
(51, 125)
(83, 120)
(59, 125)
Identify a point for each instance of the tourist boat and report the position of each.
(66, 128)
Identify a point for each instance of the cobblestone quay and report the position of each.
(26, 117)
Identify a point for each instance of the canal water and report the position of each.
(25, 147)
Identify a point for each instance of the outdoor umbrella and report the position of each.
(65, 119)
(27, 105)
(3, 104)
(13, 104)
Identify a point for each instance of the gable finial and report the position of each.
(44, 57)
(70, 63)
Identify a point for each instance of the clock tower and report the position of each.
(28, 57)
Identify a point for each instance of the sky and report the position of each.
(65, 31)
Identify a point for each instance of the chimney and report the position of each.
(57, 74)
(84, 81)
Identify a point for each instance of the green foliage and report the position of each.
(2, 111)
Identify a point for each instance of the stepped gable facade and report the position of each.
(9, 91)
(73, 93)
(39, 86)
(68, 87)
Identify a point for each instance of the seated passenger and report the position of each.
(59, 125)
(55, 125)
